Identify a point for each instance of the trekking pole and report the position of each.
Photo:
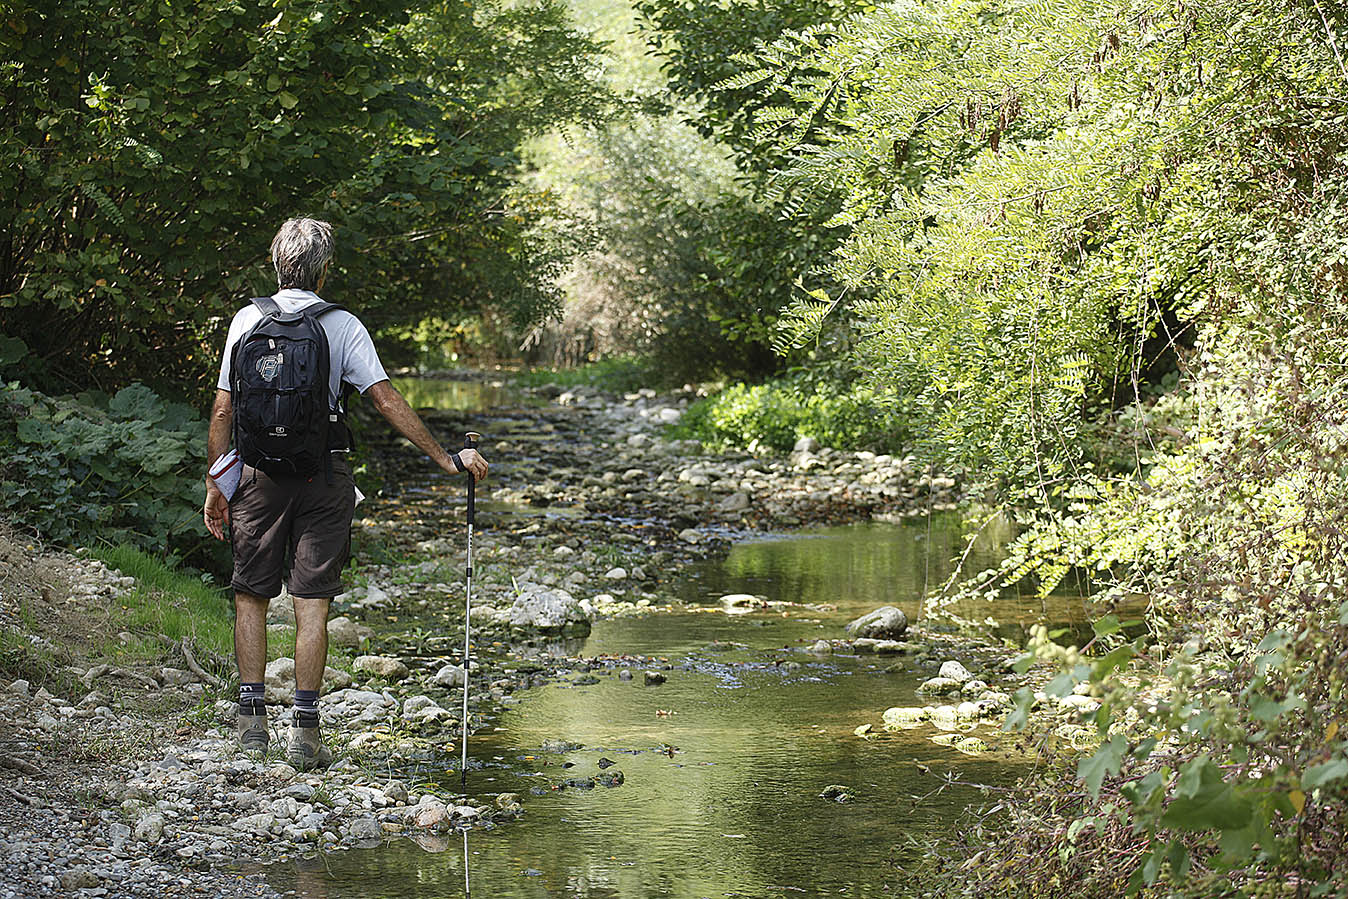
(469, 442)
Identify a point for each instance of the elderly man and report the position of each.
(288, 364)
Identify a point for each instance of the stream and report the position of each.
(723, 764)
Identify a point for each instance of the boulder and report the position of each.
(939, 685)
(342, 631)
(548, 611)
(381, 666)
(742, 603)
(886, 622)
(955, 671)
(431, 812)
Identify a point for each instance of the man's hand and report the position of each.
(215, 512)
(390, 404)
(472, 461)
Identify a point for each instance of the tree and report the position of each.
(150, 150)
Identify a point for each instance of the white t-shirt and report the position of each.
(350, 349)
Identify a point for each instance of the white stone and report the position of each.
(616, 574)
(955, 671)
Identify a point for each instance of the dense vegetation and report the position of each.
(1099, 247)
(1087, 253)
(150, 150)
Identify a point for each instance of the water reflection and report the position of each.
(444, 393)
(723, 765)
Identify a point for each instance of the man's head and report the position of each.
(300, 251)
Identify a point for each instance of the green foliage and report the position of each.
(778, 413)
(1052, 209)
(119, 469)
(701, 46)
(617, 374)
(148, 160)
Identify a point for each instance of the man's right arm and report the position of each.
(215, 511)
(393, 407)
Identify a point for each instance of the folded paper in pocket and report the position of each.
(226, 473)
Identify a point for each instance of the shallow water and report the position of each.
(723, 763)
(733, 808)
(447, 393)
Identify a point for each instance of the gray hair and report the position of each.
(300, 251)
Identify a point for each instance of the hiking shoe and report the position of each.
(306, 750)
(253, 733)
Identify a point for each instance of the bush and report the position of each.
(779, 413)
(120, 469)
(619, 374)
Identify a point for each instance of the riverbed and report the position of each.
(733, 767)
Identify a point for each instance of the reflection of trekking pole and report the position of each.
(470, 442)
(467, 887)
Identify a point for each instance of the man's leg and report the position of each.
(250, 650)
(311, 642)
(311, 657)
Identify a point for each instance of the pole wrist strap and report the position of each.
(458, 461)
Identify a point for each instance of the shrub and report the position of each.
(778, 413)
(120, 469)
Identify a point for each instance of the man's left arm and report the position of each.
(216, 509)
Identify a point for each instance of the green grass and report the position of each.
(619, 374)
(166, 600)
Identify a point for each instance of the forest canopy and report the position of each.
(150, 149)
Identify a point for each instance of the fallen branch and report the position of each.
(192, 664)
(18, 764)
(25, 799)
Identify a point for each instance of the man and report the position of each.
(300, 525)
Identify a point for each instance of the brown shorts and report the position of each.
(299, 527)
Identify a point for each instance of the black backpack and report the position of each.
(283, 420)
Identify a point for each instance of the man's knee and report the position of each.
(248, 603)
(311, 616)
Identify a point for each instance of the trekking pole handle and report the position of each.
(470, 442)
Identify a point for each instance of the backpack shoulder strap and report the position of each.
(318, 309)
(268, 306)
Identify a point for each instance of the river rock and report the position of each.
(430, 813)
(735, 502)
(655, 678)
(821, 647)
(549, 612)
(903, 718)
(425, 710)
(381, 666)
(837, 793)
(261, 823)
(742, 603)
(940, 685)
(365, 830)
(806, 445)
(342, 631)
(955, 671)
(670, 416)
(616, 574)
(886, 622)
(449, 676)
(690, 535)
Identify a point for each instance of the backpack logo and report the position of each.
(269, 366)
